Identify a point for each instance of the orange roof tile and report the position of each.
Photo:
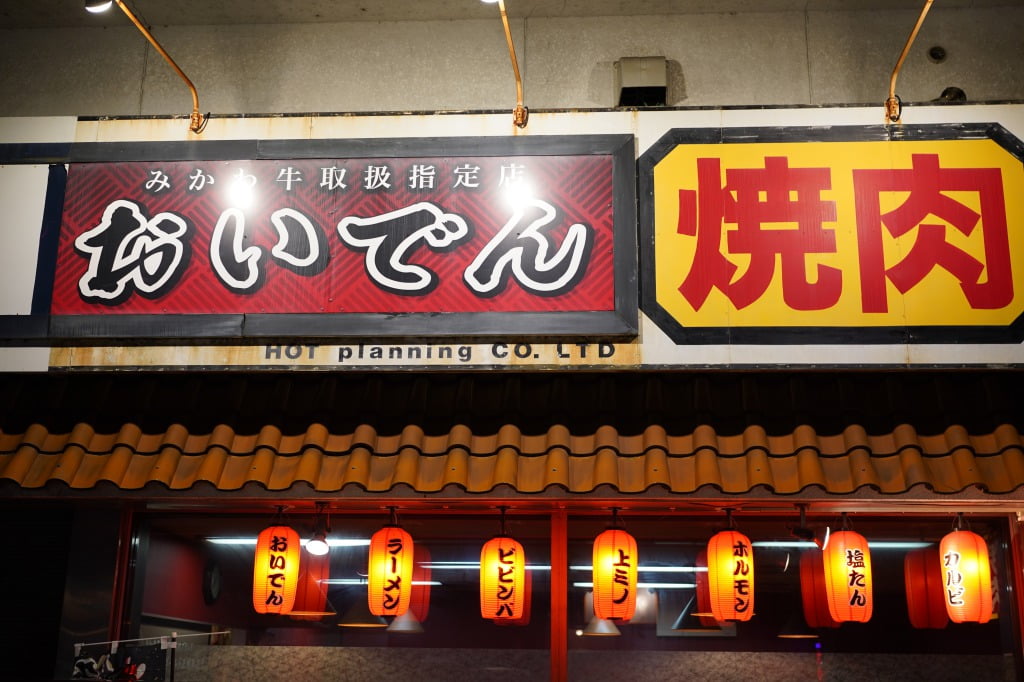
(841, 463)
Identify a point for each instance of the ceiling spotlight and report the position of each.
(97, 6)
(317, 545)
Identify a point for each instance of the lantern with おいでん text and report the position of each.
(390, 571)
(275, 570)
(847, 563)
(731, 576)
(615, 574)
(922, 578)
(967, 580)
(502, 579)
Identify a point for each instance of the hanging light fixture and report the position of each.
(502, 577)
(275, 569)
(848, 584)
(311, 592)
(390, 570)
(615, 573)
(520, 114)
(731, 574)
(967, 578)
(197, 122)
(317, 545)
(813, 594)
(922, 578)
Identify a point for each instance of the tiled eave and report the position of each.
(460, 462)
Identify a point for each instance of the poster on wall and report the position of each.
(348, 239)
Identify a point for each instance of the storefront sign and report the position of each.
(838, 235)
(347, 239)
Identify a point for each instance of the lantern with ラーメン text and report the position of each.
(615, 575)
(731, 576)
(502, 579)
(390, 570)
(275, 570)
(848, 585)
(967, 580)
(922, 578)
(812, 591)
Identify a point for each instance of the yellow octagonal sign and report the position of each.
(865, 234)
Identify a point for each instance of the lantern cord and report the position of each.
(394, 515)
(615, 518)
(958, 523)
(503, 531)
(845, 522)
(728, 519)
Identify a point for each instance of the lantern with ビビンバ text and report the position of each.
(275, 570)
(615, 575)
(848, 585)
(812, 591)
(502, 579)
(389, 587)
(922, 578)
(731, 576)
(967, 580)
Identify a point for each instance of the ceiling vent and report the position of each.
(641, 81)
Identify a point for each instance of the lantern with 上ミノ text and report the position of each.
(967, 580)
(731, 576)
(390, 568)
(615, 575)
(275, 570)
(848, 584)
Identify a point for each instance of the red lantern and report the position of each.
(812, 591)
(967, 579)
(275, 570)
(922, 577)
(311, 593)
(419, 602)
(731, 576)
(390, 571)
(502, 579)
(615, 574)
(848, 583)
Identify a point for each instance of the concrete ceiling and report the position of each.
(64, 13)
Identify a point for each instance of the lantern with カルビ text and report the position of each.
(731, 576)
(967, 580)
(502, 579)
(848, 585)
(812, 591)
(390, 570)
(275, 570)
(922, 578)
(615, 575)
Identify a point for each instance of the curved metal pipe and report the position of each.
(196, 121)
(520, 114)
(893, 105)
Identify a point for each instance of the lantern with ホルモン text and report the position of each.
(967, 580)
(615, 575)
(848, 586)
(731, 576)
(922, 578)
(502, 579)
(389, 587)
(275, 570)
